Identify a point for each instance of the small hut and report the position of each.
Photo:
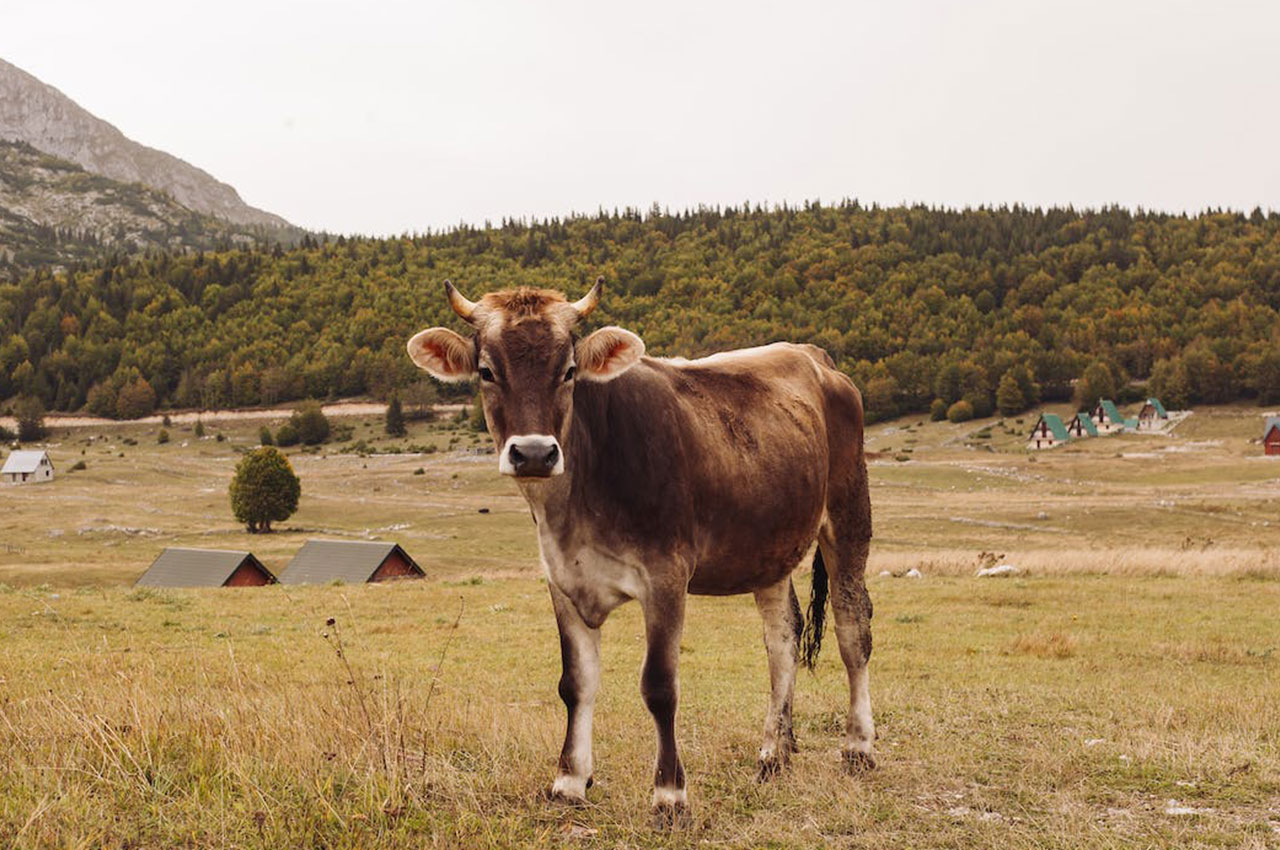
(1108, 419)
(323, 561)
(1082, 426)
(1049, 432)
(27, 467)
(1152, 416)
(1271, 436)
(178, 567)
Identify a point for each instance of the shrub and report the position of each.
(162, 437)
(264, 436)
(199, 428)
(937, 410)
(79, 465)
(287, 435)
(264, 489)
(310, 423)
(961, 411)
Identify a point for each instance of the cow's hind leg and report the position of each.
(579, 681)
(782, 621)
(844, 543)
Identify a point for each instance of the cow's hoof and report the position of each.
(670, 808)
(770, 767)
(857, 762)
(569, 791)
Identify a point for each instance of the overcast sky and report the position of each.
(385, 117)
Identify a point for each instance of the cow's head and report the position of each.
(528, 359)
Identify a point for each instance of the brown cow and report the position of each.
(651, 478)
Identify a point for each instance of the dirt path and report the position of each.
(337, 408)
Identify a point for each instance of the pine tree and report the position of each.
(264, 489)
(395, 418)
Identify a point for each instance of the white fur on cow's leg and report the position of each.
(860, 732)
(779, 610)
(579, 682)
(670, 807)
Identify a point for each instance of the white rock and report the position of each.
(1093, 742)
(998, 570)
(886, 574)
(913, 573)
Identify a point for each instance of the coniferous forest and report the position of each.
(923, 307)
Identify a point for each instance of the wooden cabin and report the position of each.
(1048, 432)
(1152, 416)
(350, 562)
(1271, 436)
(178, 567)
(27, 467)
(1082, 426)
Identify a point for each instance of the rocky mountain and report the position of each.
(54, 213)
(49, 121)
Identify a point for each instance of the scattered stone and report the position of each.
(886, 574)
(913, 573)
(1093, 742)
(1173, 807)
(998, 570)
(1042, 515)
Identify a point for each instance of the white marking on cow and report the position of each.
(670, 798)
(543, 441)
(595, 581)
(570, 787)
(862, 729)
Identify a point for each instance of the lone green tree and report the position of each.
(395, 418)
(1009, 398)
(310, 423)
(264, 489)
(30, 415)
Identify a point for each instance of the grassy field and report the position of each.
(1121, 691)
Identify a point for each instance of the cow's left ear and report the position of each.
(443, 354)
(607, 353)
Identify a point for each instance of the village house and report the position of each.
(178, 567)
(1152, 416)
(1108, 419)
(351, 562)
(1271, 436)
(27, 467)
(1082, 426)
(1049, 432)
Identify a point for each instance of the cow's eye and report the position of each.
(569, 373)
(486, 374)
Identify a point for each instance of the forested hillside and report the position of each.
(995, 306)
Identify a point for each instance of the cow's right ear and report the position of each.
(443, 354)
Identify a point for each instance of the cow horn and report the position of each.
(464, 308)
(584, 305)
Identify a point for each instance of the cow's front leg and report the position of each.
(579, 681)
(660, 686)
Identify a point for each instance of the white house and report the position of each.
(27, 467)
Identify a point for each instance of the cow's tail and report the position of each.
(811, 634)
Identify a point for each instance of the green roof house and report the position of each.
(1082, 426)
(1152, 416)
(1049, 432)
(1107, 418)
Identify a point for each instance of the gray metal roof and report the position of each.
(353, 562)
(1272, 422)
(23, 461)
(177, 567)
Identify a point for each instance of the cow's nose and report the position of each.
(533, 457)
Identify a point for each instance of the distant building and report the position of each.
(1049, 432)
(324, 561)
(1271, 436)
(178, 567)
(1152, 416)
(1107, 418)
(1082, 426)
(27, 467)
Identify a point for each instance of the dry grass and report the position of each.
(1063, 707)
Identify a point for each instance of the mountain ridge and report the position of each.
(40, 115)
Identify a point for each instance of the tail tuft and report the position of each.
(815, 622)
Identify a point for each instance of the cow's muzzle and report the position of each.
(531, 456)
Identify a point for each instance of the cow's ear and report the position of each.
(443, 354)
(607, 353)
